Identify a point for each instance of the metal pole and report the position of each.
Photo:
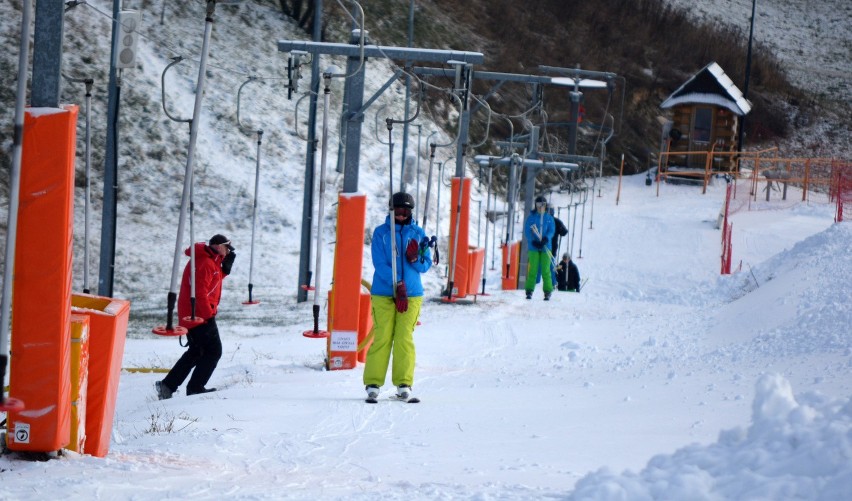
(259, 133)
(438, 208)
(190, 157)
(254, 215)
(417, 183)
(392, 216)
(429, 186)
(321, 203)
(407, 96)
(741, 133)
(494, 233)
(87, 154)
(88, 202)
(109, 211)
(310, 164)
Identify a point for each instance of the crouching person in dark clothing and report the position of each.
(213, 263)
(567, 275)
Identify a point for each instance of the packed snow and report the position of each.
(661, 379)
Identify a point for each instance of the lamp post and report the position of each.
(747, 76)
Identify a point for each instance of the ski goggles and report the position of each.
(402, 211)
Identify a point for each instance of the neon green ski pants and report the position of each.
(392, 332)
(536, 259)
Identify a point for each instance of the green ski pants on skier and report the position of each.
(536, 260)
(393, 332)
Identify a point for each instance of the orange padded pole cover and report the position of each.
(40, 373)
(476, 257)
(511, 262)
(108, 319)
(365, 325)
(79, 380)
(344, 316)
(460, 266)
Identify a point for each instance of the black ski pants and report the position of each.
(203, 353)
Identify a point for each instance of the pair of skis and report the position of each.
(409, 400)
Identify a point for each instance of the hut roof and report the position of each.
(710, 86)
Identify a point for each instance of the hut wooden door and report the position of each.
(700, 136)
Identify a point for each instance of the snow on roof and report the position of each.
(710, 86)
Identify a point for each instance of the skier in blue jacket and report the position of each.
(539, 228)
(396, 306)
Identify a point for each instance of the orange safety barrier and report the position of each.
(461, 264)
(79, 380)
(365, 325)
(345, 302)
(476, 257)
(511, 263)
(41, 313)
(108, 319)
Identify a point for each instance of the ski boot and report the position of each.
(403, 392)
(529, 294)
(372, 393)
(163, 391)
(547, 296)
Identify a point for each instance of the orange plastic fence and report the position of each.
(41, 299)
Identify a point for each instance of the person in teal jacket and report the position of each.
(396, 306)
(539, 228)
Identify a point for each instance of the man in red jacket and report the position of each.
(213, 262)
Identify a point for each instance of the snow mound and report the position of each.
(796, 447)
(794, 302)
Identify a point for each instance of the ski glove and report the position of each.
(412, 251)
(537, 243)
(227, 262)
(401, 297)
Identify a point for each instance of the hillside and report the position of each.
(153, 148)
(802, 52)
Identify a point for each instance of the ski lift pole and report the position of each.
(391, 208)
(316, 333)
(192, 319)
(88, 161)
(428, 184)
(256, 190)
(582, 220)
(88, 203)
(14, 404)
(169, 329)
(254, 217)
(487, 209)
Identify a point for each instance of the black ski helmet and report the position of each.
(402, 199)
(540, 200)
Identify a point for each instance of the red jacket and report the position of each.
(208, 284)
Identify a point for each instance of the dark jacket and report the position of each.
(567, 276)
(208, 284)
(561, 231)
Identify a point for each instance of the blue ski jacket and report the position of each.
(544, 224)
(380, 250)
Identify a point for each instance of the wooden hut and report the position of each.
(705, 111)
